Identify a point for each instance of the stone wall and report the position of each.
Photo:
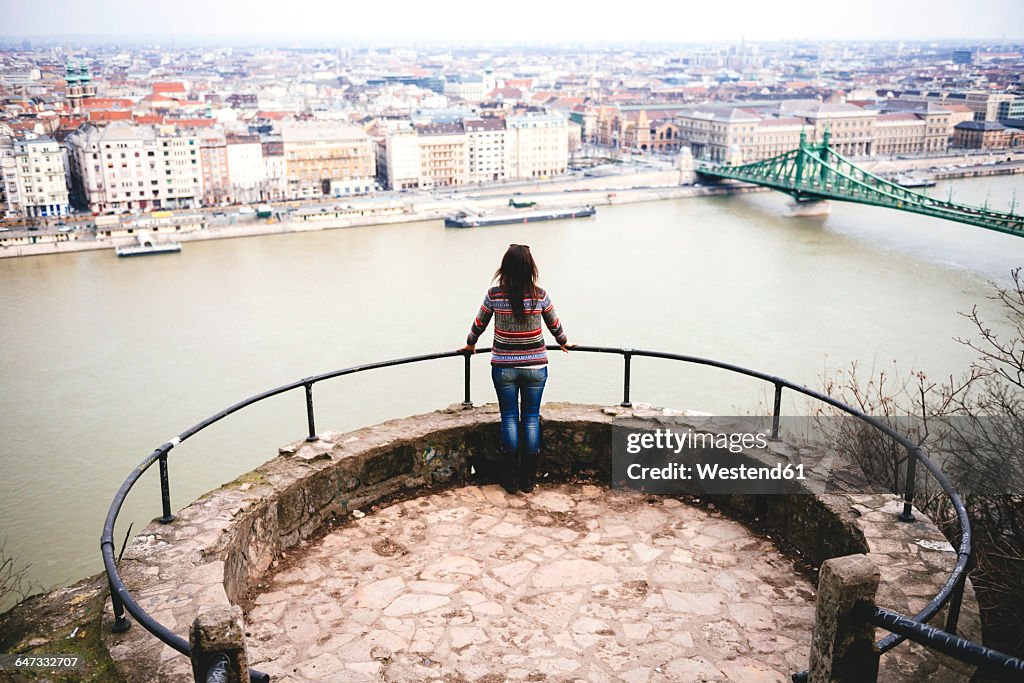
(221, 546)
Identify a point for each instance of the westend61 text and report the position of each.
(714, 472)
(669, 440)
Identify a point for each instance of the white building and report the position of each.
(471, 89)
(247, 173)
(539, 145)
(9, 192)
(124, 167)
(488, 151)
(39, 188)
(402, 159)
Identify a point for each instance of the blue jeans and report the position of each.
(509, 384)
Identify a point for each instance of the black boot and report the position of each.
(486, 470)
(508, 470)
(528, 472)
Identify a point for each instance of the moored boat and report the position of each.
(908, 180)
(147, 246)
(466, 219)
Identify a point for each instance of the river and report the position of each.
(105, 359)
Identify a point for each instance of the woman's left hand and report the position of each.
(566, 346)
(469, 347)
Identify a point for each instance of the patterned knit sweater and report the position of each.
(517, 342)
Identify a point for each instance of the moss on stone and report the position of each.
(43, 625)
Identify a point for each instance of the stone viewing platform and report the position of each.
(372, 555)
(573, 582)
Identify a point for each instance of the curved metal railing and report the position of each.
(951, 592)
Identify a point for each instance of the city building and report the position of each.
(443, 155)
(646, 128)
(213, 159)
(851, 128)
(899, 133)
(471, 88)
(539, 145)
(35, 183)
(711, 131)
(327, 159)
(275, 169)
(125, 167)
(487, 150)
(938, 123)
(986, 135)
(247, 172)
(79, 87)
(9, 193)
(401, 156)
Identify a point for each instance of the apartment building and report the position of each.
(540, 145)
(247, 176)
(275, 169)
(124, 167)
(401, 156)
(10, 196)
(488, 153)
(33, 171)
(213, 159)
(327, 159)
(443, 152)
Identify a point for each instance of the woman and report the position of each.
(519, 360)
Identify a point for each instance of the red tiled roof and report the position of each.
(109, 115)
(169, 87)
(506, 93)
(191, 123)
(106, 103)
(149, 118)
(272, 115)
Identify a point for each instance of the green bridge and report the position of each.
(816, 172)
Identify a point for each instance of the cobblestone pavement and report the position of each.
(570, 583)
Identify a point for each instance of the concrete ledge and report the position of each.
(221, 546)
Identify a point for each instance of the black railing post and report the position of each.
(467, 401)
(955, 600)
(165, 491)
(777, 411)
(908, 493)
(627, 355)
(121, 623)
(309, 412)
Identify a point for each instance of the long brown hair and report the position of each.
(518, 277)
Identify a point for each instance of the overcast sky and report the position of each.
(530, 20)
